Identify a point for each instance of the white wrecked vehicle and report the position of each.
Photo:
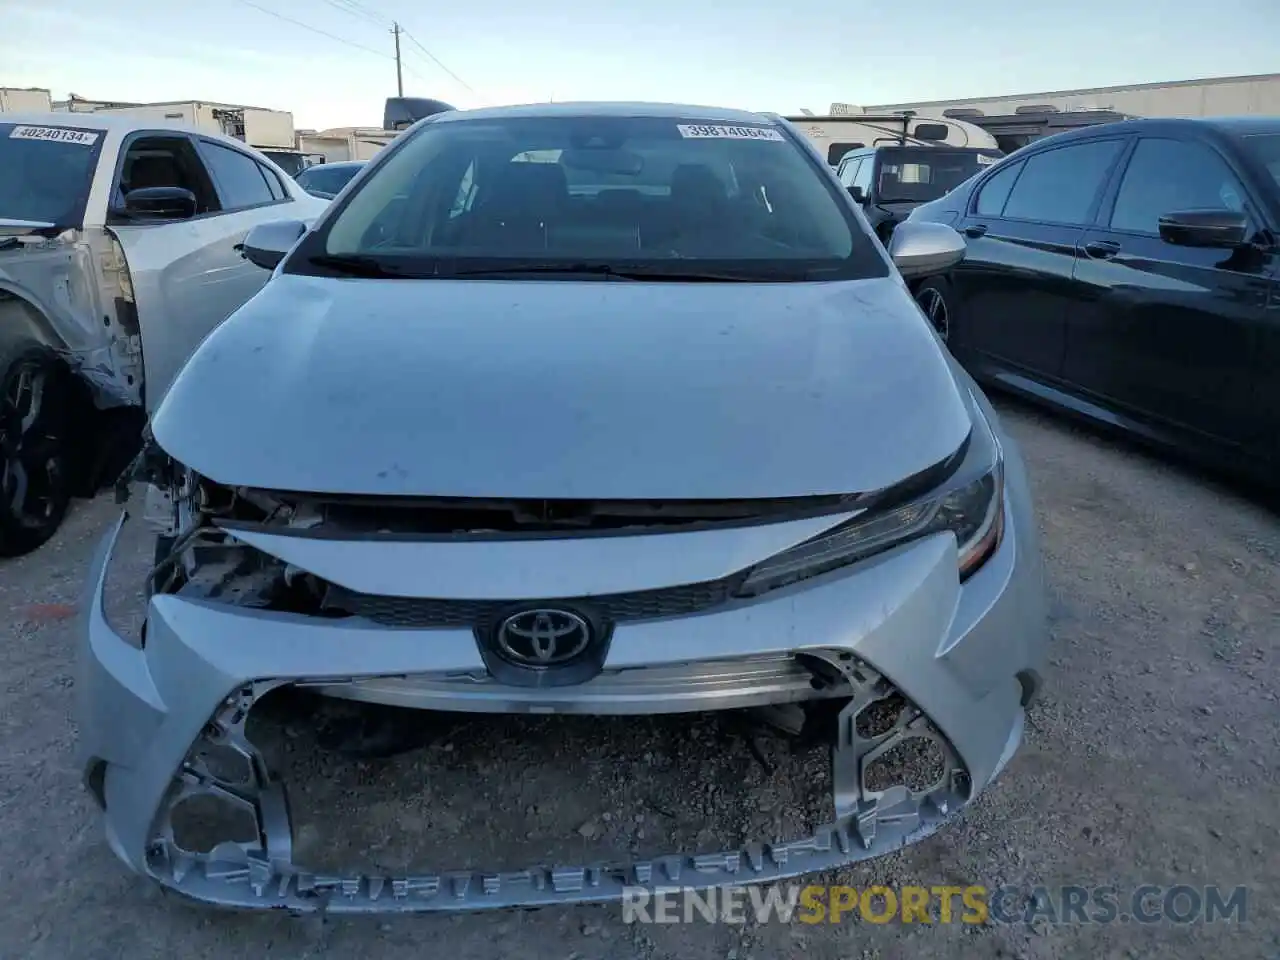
(117, 255)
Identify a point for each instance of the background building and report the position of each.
(25, 100)
(1217, 96)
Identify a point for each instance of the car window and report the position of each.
(162, 161)
(46, 172)
(866, 170)
(274, 184)
(241, 180)
(328, 178)
(1264, 148)
(921, 174)
(1165, 176)
(848, 170)
(1059, 186)
(995, 192)
(836, 151)
(662, 192)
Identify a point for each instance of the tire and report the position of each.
(37, 400)
(936, 300)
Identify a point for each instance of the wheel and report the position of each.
(35, 455)
(935, 300)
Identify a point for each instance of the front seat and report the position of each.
(699, 201)
(155, 171)
(526, 198)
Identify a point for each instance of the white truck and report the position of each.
(118, 238)
(837, 134)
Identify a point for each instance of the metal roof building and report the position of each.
(1215, 96)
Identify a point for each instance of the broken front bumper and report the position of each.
(965, 659)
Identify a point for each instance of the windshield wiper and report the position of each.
(355, 265)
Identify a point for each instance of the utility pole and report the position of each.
(395, 30)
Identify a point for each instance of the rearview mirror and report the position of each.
(858, 194)
(1226, 229)
(268, 243)
(160, 203)
(606, 160)
(923, 249)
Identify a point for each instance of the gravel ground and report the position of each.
(1153, 757)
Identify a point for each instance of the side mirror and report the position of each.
(923, 249)
(160, 203)
(267, 244)
(858, 195)
(1226, 229)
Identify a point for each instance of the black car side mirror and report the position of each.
(1222, 229)
(160, 203)
(268, 243)
(859, 196)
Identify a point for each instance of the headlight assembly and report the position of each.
(970, 505)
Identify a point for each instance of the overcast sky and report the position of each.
(756, 54)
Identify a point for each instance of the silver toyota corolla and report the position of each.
(588, 409)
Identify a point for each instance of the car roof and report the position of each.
(96, 121)
(341, 164)
(121, 124)
(1223, 126)
(605, 109)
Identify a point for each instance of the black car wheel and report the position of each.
(934, 298)
(35, 461)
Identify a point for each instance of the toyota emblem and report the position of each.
(543, 638)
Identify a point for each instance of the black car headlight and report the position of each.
(970, 505)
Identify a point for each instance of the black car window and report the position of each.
(1165, 176)
(1059, 186)
(241, 179)
(994, 193)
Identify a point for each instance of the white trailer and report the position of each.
(25, 100)
(345, 143)
(837, 134)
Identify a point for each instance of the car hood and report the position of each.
(566, 389)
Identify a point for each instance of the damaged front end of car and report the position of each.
(916, 666)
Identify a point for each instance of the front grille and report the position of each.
(616, 607)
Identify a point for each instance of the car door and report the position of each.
(1164, 330)
(1021, 228)
(187, 275)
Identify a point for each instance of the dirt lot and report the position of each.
(1154, 757)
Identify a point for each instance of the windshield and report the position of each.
(927, 173)
(46, 172)
(1265, 149)
(327, 178)
(654, 194)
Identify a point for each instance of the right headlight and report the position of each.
(970, 505)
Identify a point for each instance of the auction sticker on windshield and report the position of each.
(55, 134)
(715, 131)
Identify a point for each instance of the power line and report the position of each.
(323, 33)
(357, 9)
(436, 60)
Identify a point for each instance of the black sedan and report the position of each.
(1128, 273)
(326, 180)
